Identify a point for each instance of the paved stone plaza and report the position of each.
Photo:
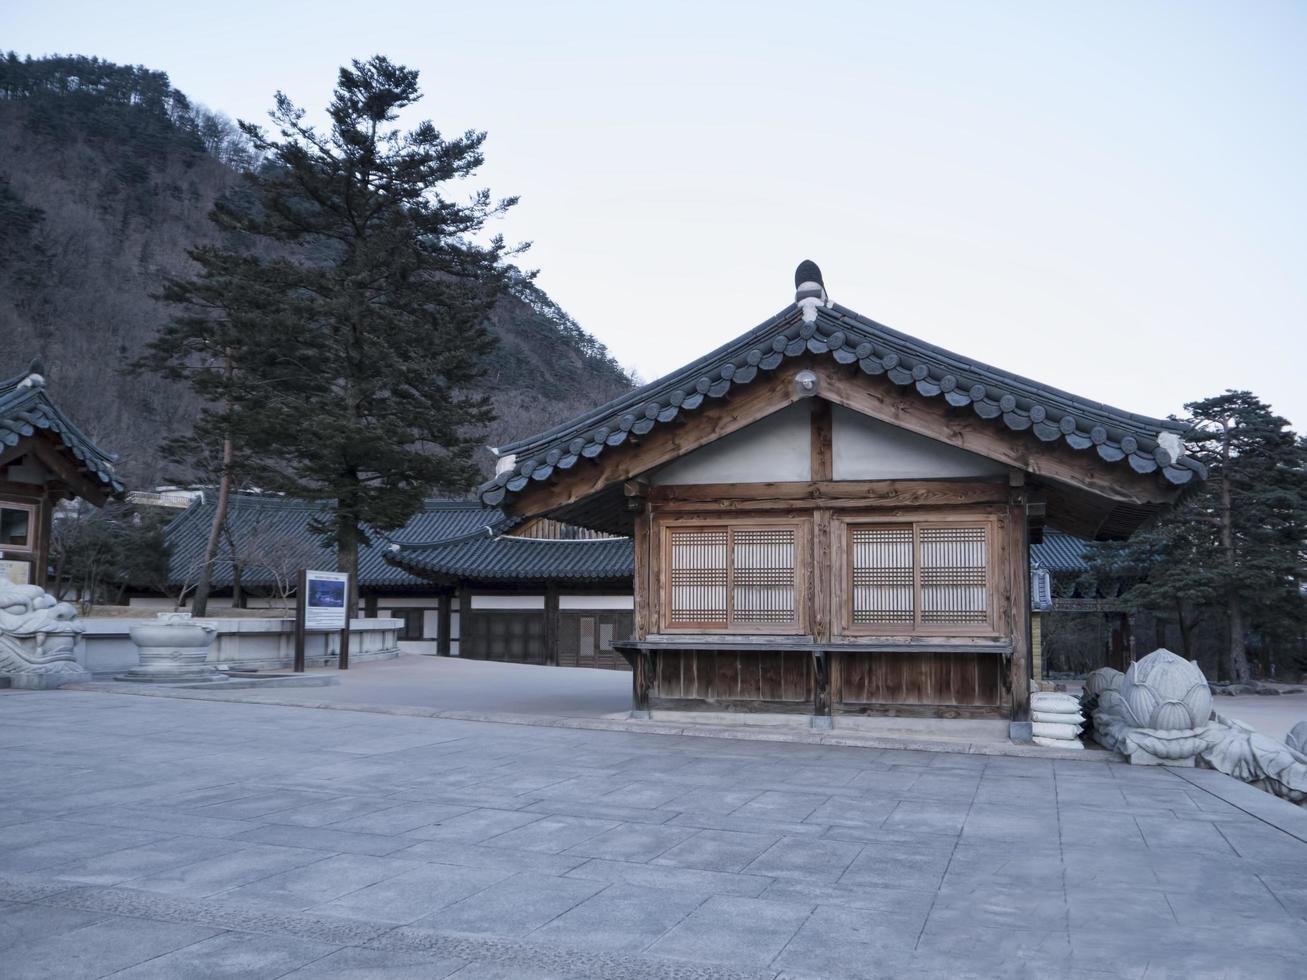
(156, 837)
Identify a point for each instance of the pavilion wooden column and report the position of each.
(445, 626)
(551, 625)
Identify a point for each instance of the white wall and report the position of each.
(772, 449)
(868, 449)
(596, 602)
(266, 644)
(508, 602)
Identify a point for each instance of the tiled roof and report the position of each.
(1011, 401)
(448, 539)
(26, 409)
(261, 521)
(1059, 552)
(505, 558)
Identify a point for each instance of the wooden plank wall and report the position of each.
(782, 680)
(864, 683)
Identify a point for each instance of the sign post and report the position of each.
(300, 591)
(322, 607)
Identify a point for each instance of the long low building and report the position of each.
(465, 580)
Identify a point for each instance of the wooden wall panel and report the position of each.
(716, 677)
(968, 680)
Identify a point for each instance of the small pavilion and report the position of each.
(833, 518)
(44, 458)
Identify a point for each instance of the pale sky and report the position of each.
(1106, 196)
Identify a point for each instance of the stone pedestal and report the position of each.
(46, 682)
(174, 650)
(1141, 757)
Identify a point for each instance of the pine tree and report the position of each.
(212, 333)
(1235, 545)
(354, 324)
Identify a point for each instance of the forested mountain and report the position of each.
(107, 175)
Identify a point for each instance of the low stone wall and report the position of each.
(262, 643)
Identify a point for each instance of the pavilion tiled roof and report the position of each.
(1060, 553)
(1046, 414)
(256, 516)
(446, 540)
(26, 409)
(505, 558)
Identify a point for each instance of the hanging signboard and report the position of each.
(325, 597)
(16, 572)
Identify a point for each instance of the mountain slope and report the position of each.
(107, 175)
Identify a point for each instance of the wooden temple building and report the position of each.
(833, 518)
(44, 459)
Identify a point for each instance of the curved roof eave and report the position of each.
(1018, 403)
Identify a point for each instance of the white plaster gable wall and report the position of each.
(868, 449)
(29, 469)
(774, 448)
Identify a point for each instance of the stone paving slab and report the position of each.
(273, 841)
(845, 737)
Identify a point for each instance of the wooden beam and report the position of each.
(70, 471)
(863, 493)
(821, 442)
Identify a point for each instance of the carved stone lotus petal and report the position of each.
(1140, 705)
(1103, 679)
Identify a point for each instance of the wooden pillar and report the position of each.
(642, 585)
(446, 625)
(41, 541)
(821, 702)
(370, 606)
(551, 625)
(642, 670)
(821, 570)
(1019, 575)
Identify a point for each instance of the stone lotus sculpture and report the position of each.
(38, 638)
(1160, 713)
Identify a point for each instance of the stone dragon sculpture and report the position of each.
(38, 633)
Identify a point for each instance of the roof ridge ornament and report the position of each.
(810, 290)
(1173, 444)
(35, 375)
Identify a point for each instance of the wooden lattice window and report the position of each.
(905, 577)
(732, 577)
(954, 575)
(883, 586)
